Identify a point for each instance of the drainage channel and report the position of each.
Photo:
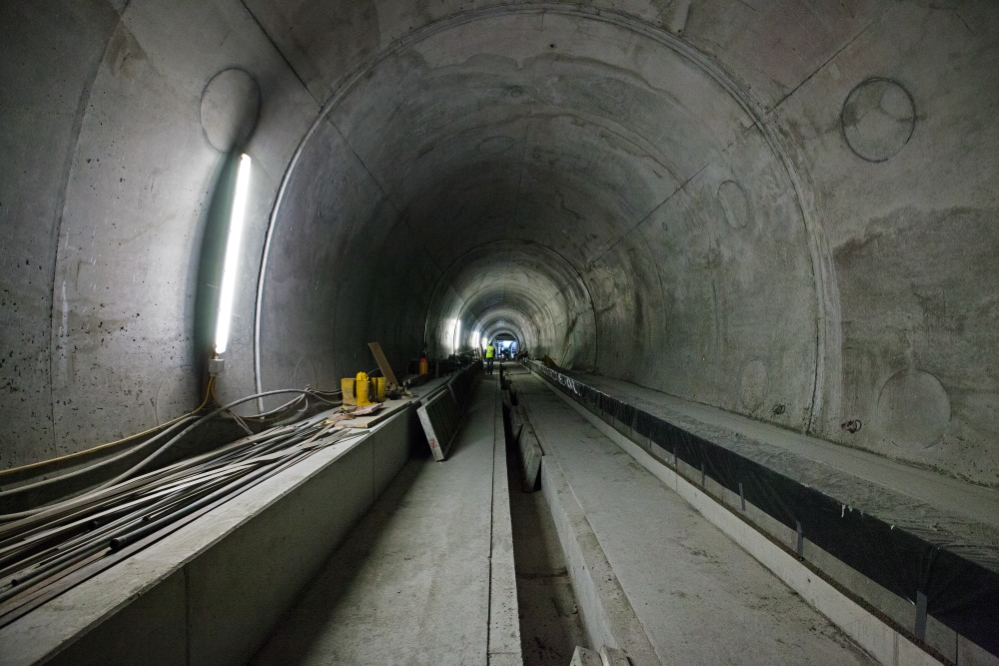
(551, 625)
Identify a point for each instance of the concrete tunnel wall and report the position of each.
(783, 210)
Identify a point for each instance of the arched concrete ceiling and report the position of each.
(784, 211)
(580, 136)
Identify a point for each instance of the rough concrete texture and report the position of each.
(782, 211)
(411, 583)
(504, 606)
(939, 509)
(699, 597)
(210, 592)
(759, 533)
(550, 619)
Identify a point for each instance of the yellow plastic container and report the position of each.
(347, 386)
(362, 389)
(424, 366)
(378, 386)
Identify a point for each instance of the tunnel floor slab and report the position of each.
(410, 584)
(937, 508)
(700, 597)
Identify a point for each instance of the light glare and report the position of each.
(232, 255)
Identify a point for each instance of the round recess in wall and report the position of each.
(496, 144)
(735, 203)
(754, 385)
(913, 409)
(230, 106)
(878, 119)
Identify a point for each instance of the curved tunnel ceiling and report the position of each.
(516, 150)
(787, 214)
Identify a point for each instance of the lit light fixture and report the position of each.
(474, 342)
(456, 340)
(232, 255)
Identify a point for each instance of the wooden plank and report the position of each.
(383, 364)
(391, 407)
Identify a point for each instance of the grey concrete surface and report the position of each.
(550, 619)
(504, 604)
(700, 598)
(945, 511)
(210, 592)
(782, 210)
(886, 643)
(702, 198)
(411, 583)
(940, 509)
(607, 613)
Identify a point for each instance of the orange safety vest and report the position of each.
(489, 351)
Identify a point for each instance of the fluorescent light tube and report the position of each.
(231, 260)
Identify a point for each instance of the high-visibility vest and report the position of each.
(489, 351)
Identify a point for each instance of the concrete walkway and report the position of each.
(700, 598)
(411, 583)
(938, 508)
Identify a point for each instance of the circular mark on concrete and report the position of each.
(878, 119)
(754, 385)
(734, 201)
(230, 106)
(496, 144)
(913, 409)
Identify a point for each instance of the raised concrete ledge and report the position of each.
(607, 614)
(504, 616)
(211, 592)
(887, 645)
(971, 511)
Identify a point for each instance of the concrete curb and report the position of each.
(504, 613)
(607, 613)
(879, 639)
(211, 592)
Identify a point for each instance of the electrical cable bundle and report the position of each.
(47, 550)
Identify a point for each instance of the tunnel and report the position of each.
(769, 221)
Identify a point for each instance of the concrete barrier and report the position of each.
(210, 593)
(881, 640)
(607, 614)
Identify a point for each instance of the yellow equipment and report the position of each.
(347, 388)
(378, 384)
(362, 389)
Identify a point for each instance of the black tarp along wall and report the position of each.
(961, 594)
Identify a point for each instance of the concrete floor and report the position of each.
(699, 596)
(410, 585)
(938, 508)
(973, 502)
(551, 625)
